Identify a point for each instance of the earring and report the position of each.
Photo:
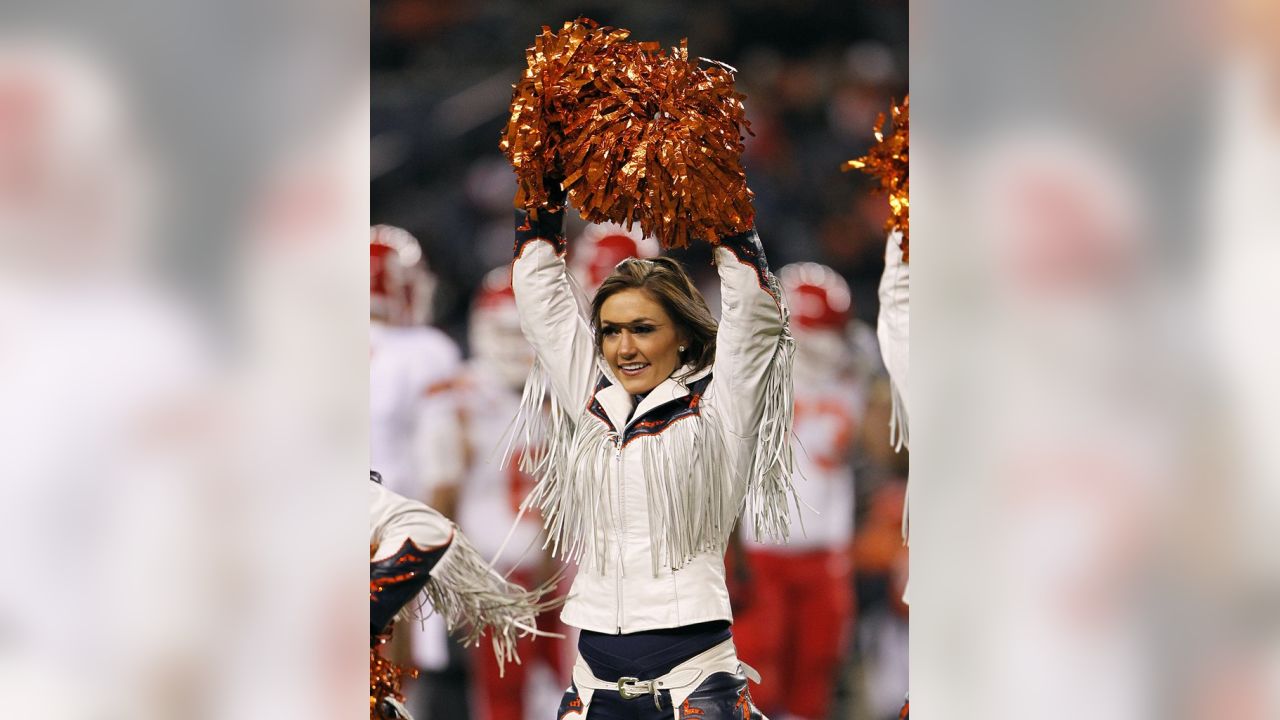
(681, 348)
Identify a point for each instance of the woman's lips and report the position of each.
(635, 371)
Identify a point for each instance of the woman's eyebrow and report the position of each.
(636, 321)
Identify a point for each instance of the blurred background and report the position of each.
(184, 319)
(180, 295)
(816, 75)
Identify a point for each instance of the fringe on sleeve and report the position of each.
(475, 600)
(899, 435)
(769, 488)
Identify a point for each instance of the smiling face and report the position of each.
(639, 340)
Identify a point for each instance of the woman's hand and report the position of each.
(546, 222)
(557, 196)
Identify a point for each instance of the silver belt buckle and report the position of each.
(628, 693)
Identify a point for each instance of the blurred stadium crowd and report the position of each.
(815, 75)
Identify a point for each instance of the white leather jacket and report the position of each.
(645, 504)
(893, 329)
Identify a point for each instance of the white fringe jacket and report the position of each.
(645, 501)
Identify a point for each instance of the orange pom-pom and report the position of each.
(385, 679)
(560, 69)
(889, 163)
(636, 134)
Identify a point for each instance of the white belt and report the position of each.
(681, 681)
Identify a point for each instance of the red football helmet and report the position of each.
(602, 246)
(819, 298)
(495, 292)
(400, 284)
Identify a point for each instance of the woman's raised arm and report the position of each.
(550, 309)
(754, 352)
(752, 329)
(893, 329)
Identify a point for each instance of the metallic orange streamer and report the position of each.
(385, 678)
(888, 162)
(636, 134)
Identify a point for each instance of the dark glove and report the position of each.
(557, 195)
(545, 223)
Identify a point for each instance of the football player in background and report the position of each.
(490, 495)
(795, 611)
(413, 371)
(600, 248)
(414, 427)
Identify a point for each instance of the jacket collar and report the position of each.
(616, 401)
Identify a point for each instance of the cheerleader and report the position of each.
(663, 426)
(413, 550)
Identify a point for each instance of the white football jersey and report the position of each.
(414, 440)
(489, 498)
(827, 420)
